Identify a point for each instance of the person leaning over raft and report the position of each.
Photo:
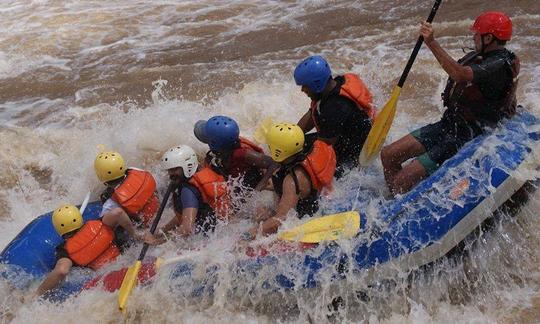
(230, 154)
(305, 170)
(480, 92)
(200, 197)
(90, 245)
(129, 191)
(341, 109)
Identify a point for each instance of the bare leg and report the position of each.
(393, 156)
(409, 176)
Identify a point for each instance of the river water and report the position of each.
(134, 76)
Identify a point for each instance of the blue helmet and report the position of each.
(219, 132)
(313, 72)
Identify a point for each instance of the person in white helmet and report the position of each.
(200, 198)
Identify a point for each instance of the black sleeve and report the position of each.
(334, 116)
(488, 70)
(61, 252)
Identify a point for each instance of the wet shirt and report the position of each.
(186, 197)
(493, 78)
(109, 205)
(339, 117)
(492, 74)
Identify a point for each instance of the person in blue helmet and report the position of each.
(341, 109)
(232, 155)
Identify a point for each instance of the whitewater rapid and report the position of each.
(134, 76)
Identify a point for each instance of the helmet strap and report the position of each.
(318, 96)
(109, 191)
(298, 157)
(178, 178)
(484, 45)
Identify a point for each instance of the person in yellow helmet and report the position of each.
(129, 191)
(92, 244)
(306, 168)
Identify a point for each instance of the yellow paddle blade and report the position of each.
(325, 228)
(380, 129)
(260, 133)
(130, 280)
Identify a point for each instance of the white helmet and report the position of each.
(181, 156)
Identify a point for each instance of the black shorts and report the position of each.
(440, 144)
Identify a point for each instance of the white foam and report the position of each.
(57, 136)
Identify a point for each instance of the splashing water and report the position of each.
(136, 76)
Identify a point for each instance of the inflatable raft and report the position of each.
(402, 233)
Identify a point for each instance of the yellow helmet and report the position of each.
(109, 166)
(67, 218)
(284, 141)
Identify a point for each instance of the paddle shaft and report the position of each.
(84, 203)
(417, 46)
(158, 217)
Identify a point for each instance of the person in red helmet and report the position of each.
(480, 92)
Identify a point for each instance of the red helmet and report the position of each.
(493, 22)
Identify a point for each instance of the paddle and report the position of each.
(131, 276)
(84, 203)
(112, 281)
(325, 228)
(384, 119)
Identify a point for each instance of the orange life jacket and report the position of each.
(137, 195)
(237, 164)
(247, 144)
(354, 89)
(213, 189)
(320, 165)
(92, 246)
